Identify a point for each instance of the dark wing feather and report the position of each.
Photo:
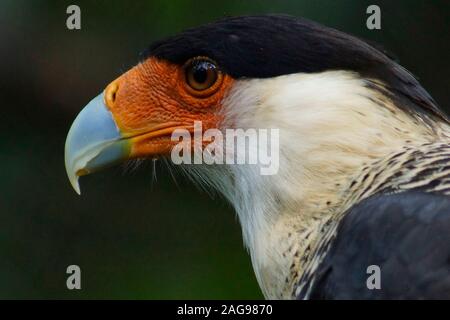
(406, 234)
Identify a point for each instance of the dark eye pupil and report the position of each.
(201, 73)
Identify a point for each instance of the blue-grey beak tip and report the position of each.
(93, 142)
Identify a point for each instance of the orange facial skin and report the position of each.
(153, 99)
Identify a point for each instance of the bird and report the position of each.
(359, 207)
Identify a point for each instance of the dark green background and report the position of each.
(133, 238)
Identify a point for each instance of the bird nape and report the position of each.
(364, 174)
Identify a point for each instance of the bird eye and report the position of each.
(201, 74)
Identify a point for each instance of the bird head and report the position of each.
(318, 85)
(137, 113)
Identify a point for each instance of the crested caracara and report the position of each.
(364, 171)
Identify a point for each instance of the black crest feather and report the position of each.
(273, 45)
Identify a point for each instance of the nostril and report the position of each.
(111, 93)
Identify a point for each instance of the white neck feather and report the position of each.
(330, 126)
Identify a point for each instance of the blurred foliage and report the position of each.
(134, 238)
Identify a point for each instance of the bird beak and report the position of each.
(94, 142)
(135, 117)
